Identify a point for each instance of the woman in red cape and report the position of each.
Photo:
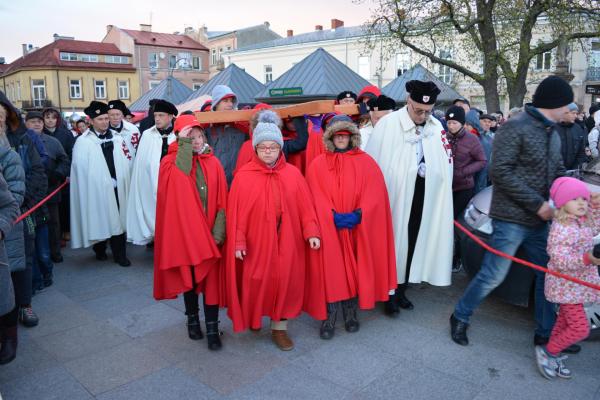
(357, 260)
(190, 228)
(271, 224)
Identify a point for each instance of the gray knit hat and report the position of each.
(267, 128)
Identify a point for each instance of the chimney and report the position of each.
(290, 33)
(109, 27)
(2, 60)
(24, 47)
(146, 27)
(188, 30)
(336, 23)
(267, 24)
(318, 27)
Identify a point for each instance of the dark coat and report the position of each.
(59, 165)
(9, 210)
(526, 159)
(226, 141)
(573, 141)
(65, 137)
(14, 174)
(469, 159)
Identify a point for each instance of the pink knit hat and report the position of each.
(566, 189)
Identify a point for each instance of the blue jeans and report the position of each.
(42, 263)
(508, 237)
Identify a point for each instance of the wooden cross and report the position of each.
(296, 110)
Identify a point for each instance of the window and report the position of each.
(196, 63)
(78, 57)
(268, 74)
(18, 90)
(100, 89)
(75, 88)
(184, 60)
(153, 60)
(364, 67)
(116, 59)
(123, 89)
(445, 72)
(213, 56)
(543, 61)
(196, 86)
(403, 63)
(595, 61)
(68, 56)
(172, 61)
(153, 84)
(38, 89)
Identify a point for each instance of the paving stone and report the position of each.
(148, 319)
(117, 303)
(82, 340)
(107, 370)
(291, 382)
(31, 360)
(346, 364)
(59, 319)
(168, 383)
(52, 384)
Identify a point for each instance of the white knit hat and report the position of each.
(267, 128)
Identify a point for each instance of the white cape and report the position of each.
(131, 135)
(393, 145)
(141, 207)
(95, 215)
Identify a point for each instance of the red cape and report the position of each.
(315, 146)
(270, 280)
(359, 262)
(246, 153)
(183, 237)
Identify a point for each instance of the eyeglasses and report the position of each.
(419, 112)
(263, 149)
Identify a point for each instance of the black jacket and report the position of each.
(65, 137)
(59, 165)
(526, 159)
(573, 141)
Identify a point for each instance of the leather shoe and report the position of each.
(391, 309)
(124, 262)
(282, 340)
(458, 331)
(101, 256)
(403, 302)
(57, 259)
(542, 341)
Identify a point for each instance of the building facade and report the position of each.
(67, 74)
(157, 56)
(269, 60)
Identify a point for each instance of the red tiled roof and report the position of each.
(49, 56)
(3, 67)
(164, 40)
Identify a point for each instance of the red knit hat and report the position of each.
(185, 120)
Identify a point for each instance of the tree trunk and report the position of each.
(492, 98)
(516, 89)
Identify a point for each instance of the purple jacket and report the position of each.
(469, 159)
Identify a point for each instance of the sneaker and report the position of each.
(546, 363)
(27, 317)
(561, 370)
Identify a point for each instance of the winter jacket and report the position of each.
(14, 174)
(573, 142)
(9, 210)
(593, 139)
(59, 165)
(482, 178)
(65, 137)
(567, 244)
(526, 160)
(468, 159)
(226, 141)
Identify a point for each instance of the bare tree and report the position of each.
(495, 37)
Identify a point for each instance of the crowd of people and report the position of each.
(277, 216)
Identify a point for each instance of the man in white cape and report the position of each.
(128, 131)
(99, 187)
(141, 208)
(411, 148)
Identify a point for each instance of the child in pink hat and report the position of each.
(570, 245)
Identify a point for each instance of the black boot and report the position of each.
(193, 327)
(391, 309)
(213, 336)
(350, 310)
(328, 326)
(458, 331)
(401, 299)
(9, 341)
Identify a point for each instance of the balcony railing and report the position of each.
(35, 104)
(593, 74)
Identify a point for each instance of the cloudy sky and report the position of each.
(35, 21)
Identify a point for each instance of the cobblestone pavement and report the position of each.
(102, 335)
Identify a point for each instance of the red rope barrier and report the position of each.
(41, 203)
(523, 262)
